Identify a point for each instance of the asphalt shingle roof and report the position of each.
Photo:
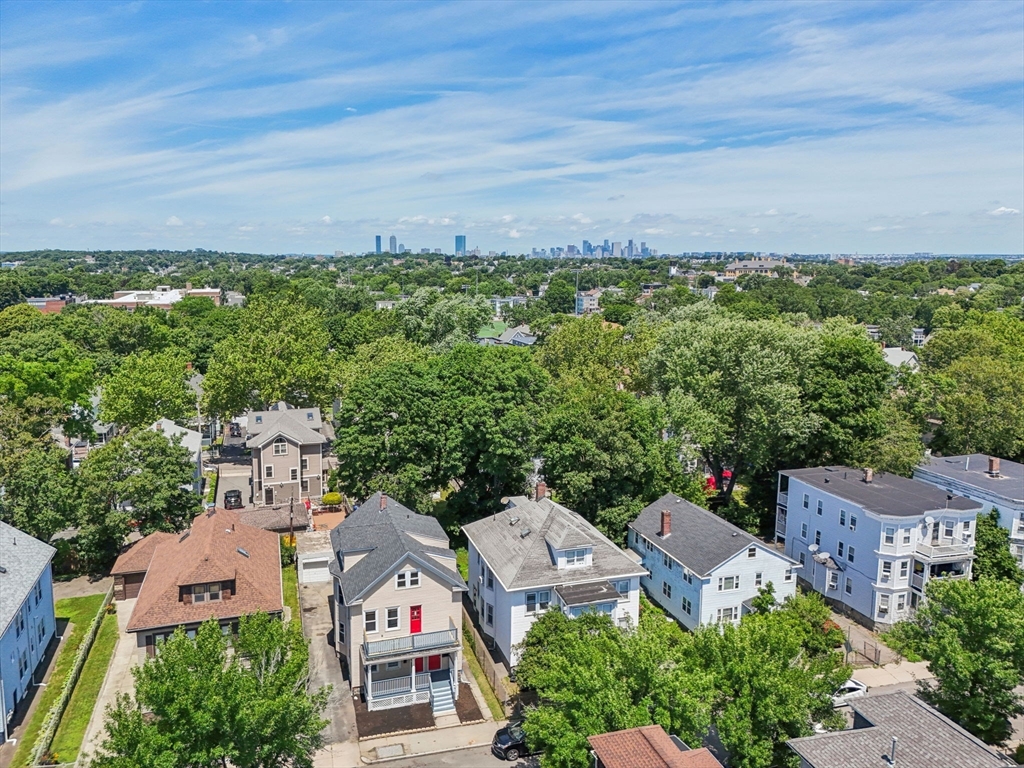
(388, 535)
(23, 559)
(886, 494)
(647, 747)
(521, 561)
(925, 739)
(700, 540)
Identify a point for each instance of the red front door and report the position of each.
(433, 662)
(419, 665)
(415, 619)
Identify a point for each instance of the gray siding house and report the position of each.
(287, 446)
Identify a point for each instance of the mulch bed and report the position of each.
(386, 721)
(465, 705)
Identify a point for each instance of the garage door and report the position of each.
(132, 584)
(313, 571)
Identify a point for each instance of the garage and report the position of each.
(313, 568)
(130, 585)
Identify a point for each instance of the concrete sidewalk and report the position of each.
(892, 674)
(117, 680)
(427, 743)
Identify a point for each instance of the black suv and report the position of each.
(232, 500)
(510, 743)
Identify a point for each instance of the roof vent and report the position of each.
(184, 536)
(513, 521)
(524, 533)
(242, 552)
(2, 569)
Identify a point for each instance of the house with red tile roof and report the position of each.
(220, 568)
(647, 747)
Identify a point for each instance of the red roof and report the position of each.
(647, 747)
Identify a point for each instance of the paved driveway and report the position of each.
(234, 475)
(324, 667)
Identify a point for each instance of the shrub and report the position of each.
(331, 499)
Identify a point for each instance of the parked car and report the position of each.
(232, 500)
(234, 430)
(851, 689)
(509, 743)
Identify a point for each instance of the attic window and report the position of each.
(259, 419)
(242, 552)
(309, 415)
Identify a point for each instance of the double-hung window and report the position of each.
(803, 531)
(490, 615)
(950, 529)
(789, 572)
(757, 579)
(817, 538)
(821, 506)
(727, 583)
(393, 620)
(538, 601)
(906, 535)
(370, 621)
(490, 578)
(687, 606)
(665, 560)
(622, 587)
(406, 579)
(280, 447)
(853, 522)
(666, 589)
(293, 473)
(751, 551)
(904, 568)
(840, 549)
(574, 557)
(807, 501)
(849, 586)
(886, 570)
(305, 464)
(727, 614)
(842, 517)
(890, 535)
(849, 553)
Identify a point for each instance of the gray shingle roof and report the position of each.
(700, 540)
(283, 424)
(973, 470)
(926, 739)
(23, 559)
(388, 536)
(521, 562)
(885, 495)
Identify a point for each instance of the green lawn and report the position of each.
(481, 680)
(71, 731)
(290, 578)
(80, 612)
(462, 560)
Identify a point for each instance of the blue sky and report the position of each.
(312, 126)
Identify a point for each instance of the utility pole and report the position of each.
(291, 520)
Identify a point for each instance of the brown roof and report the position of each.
(210, 551)
(136, 558)
(647, 747)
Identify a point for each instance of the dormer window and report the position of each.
(575, 557)
(204, 592)
(259, 419)
(280, 447)
(309, 415)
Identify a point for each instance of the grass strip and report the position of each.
(497, 712)
(68, 740)
(78, 611)
(290, 582)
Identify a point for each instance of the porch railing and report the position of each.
(944, 551)
(783, 499)
(424, 641)
(397, 685)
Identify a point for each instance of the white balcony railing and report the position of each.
(784, 499)
(949, 550)
(425, 641)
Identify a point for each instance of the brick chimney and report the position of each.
(542, 490)
(993, 466)
(666, 523)
(383, 502)
(869, 474)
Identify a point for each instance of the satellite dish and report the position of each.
(929, 519)
(812, 548)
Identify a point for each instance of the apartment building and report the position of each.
(871, 542)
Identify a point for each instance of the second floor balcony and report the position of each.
(945, 550)
(412, 645)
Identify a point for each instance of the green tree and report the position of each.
(146, 387)
(40, 494)
(560, 297)
(280, 352)
(992, 555)
(586, 349)
(972, 634)
(197, 706)
(141, 478)
(732, 388)
(442, 321)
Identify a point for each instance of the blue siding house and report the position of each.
(26, 616)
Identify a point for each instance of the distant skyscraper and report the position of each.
(378, 243)
(401, 247)
(629, 249)
(607, 247)
(460, 245)
(616, 249)
(587, 248)
(393, 244)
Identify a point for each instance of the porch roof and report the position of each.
(587, 594)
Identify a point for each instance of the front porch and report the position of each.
(429, 680)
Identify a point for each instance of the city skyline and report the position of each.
(718, 127)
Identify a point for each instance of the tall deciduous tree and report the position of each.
(280, 352)
(972, 634)
(992, 556)
(195, 705)
(146, 387)
(40, 494)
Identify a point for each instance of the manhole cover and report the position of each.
(392, 750)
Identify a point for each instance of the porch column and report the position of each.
(369, 681)
(412, 676)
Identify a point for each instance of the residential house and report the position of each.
(702, 569)
(918, 337)
(26, 617)
(498, 303)
(897, 357)
(163, 297)
(996, 483)
(287, 446)
(189, 439)
(870, 542)
(397, 606)
(498, 333)
(534, 556)
(219, 569)
(647, 747)
(897, 730)
(588, 302)
(48, 305)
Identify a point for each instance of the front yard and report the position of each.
(78, 613)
